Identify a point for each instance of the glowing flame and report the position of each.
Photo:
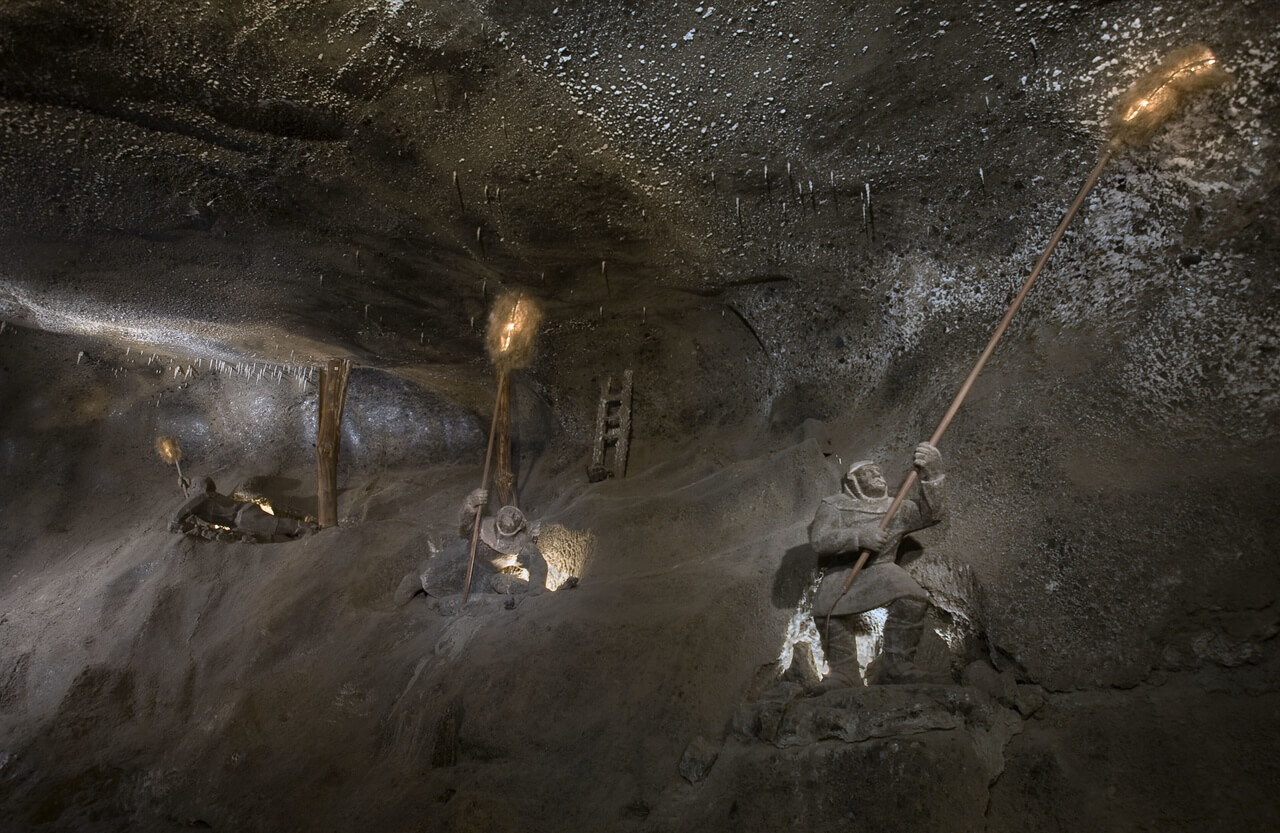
(169, 450)
(510, 330)
(1154, 97)
(1161, 96)
(513, 324)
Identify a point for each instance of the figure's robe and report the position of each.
(840, 527)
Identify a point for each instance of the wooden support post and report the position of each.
(333, 395)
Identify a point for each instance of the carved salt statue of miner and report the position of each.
(508, 559)
(208, 514)
(849, 522)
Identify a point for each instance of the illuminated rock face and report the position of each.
(796, 224)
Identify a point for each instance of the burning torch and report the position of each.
(170, 450)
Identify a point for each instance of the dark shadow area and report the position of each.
(795, 574)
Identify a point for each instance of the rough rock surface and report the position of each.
(797, 223)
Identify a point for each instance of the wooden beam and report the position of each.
(333, 396)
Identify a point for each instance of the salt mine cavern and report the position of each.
(420, 415)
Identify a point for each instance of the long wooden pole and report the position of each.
(333, 396)
(504, 479)
(1148, 103)
(484, 479)
(1107, 153)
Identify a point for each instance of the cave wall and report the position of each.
(797, 223)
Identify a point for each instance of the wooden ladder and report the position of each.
(613, 430)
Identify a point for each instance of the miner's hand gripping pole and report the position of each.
(1146, 105)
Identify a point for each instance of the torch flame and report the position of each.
(1153, 98)
(1161, 95)
(509, 331)
(513, 324)
(169, 450)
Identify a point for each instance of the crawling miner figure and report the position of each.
(507, 558)
(849, 522)
(207, 514)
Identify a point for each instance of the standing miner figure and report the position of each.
(849, 522)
